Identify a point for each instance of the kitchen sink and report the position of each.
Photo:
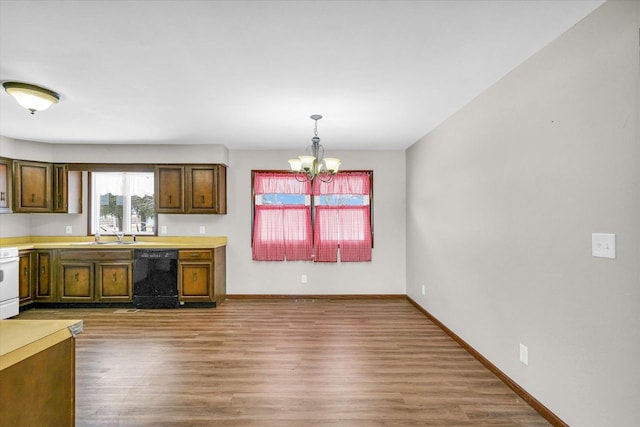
(103, 243)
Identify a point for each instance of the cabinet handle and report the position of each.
(115, 278)
(2, 196)
(195, 277)
(33, 197)
(43, 271)
(202, 199)
(26, 271)
(194, 255)
(170, 202)
(77, 277)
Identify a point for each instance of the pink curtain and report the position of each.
(355, 233)
(268, 231)
(283, 231)
(344, 183)
(279, 183)
(298, 238)
(346, 229)
(326, 234)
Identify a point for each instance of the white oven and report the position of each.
(9, 300)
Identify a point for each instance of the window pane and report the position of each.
(341, 200)
(123, 201)
(282, 199)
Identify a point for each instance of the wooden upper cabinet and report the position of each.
(6, 188)
(205, 192)
(45, 187)
(32, 186)
(191, 189)
(169, 183)
(67, 189)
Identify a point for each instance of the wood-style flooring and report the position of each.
(281, 362)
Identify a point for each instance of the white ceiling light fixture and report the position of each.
(314, 165)
(33, 98)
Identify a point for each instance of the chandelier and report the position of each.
(314, 165)
(33, 98)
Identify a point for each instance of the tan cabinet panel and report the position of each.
(114, 281)
(77, 282)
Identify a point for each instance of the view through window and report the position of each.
(122, 202)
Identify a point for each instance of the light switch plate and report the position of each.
(603, 245)
(524, 354)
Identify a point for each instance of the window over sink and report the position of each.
(122, 202)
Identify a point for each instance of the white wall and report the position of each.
(384, 275)
(501, 202)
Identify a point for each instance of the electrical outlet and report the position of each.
(69, 229)
(424, 291)
(202, 230)
(163, 229)
(303, 278)
(524, 354)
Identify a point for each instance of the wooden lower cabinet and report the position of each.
(195, 275)
(26, 275)
(96, 276)
(44, 289)
(77, 282)
(201, 275)
(114, 281)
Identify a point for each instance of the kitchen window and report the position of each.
(122, 202)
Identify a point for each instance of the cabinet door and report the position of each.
(202, 194)
(77, 281)
(6, 187)
(60, 188)
(25, 276)
(195, 281)
(32, 186)
(169, 183)
(220, 274)
(114, 281)
(43, 285)
(206, 189)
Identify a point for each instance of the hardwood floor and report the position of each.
(361, 362)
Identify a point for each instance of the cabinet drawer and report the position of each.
(96, 255)
(195, 255)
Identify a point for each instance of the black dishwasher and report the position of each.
(155, 278)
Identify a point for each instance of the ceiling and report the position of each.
(248, 74)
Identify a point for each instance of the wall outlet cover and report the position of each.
(603, 245)
(68, 229)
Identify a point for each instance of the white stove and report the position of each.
(9, 300)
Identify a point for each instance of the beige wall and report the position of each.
(502, 199)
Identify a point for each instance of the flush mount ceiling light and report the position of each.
(313, 165)
(33, 98)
